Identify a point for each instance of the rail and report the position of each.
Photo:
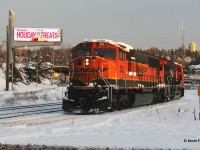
(20, 111)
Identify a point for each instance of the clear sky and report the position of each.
(140, 23)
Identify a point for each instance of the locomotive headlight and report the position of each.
(87, 62)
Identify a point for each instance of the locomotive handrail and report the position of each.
(104, 79)
(168, 77)
(108, 85)
(71, 75)
(102, 76)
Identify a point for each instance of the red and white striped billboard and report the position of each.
(37, 35)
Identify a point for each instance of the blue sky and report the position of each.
(140, 23)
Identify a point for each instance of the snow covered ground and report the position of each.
(21, 94)
(166, 125)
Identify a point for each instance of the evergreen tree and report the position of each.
(38, 69)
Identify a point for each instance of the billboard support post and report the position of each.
(7, 62)
(9, 45)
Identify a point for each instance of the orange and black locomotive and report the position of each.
(107, 75)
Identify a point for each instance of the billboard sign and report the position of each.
(37, 35)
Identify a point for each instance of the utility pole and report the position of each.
(37, 68)
(183, 44)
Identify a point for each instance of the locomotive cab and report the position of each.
(91, 62)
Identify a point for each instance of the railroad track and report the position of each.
(27, 110)
(18, 111)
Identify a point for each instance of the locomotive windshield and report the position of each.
(81, 52)
(106, 53)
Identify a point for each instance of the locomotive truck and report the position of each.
(107, 75)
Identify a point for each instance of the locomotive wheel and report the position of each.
(103, 105)
(155, 101)
(155, 98)
(85, 110)
(182, 92)
(120, 105)
(67, 106)
(172, 94)
(131, 99)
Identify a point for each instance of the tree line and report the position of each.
(60, 56)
